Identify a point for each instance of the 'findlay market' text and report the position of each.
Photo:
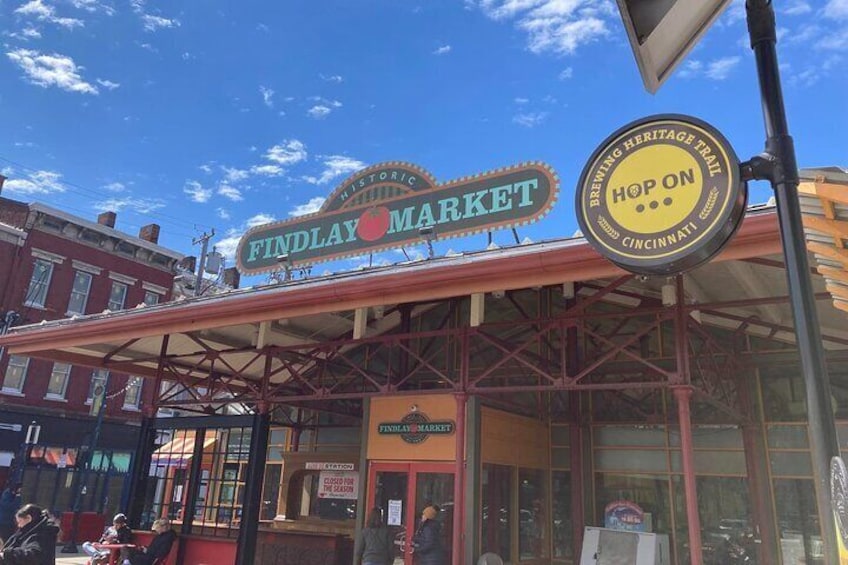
(443, 211)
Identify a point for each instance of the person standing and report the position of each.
(10, 501)
(34, 542)
(427, 542)
(375, 541)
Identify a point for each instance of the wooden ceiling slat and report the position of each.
(836, 192)
(829, 251)
(835, 228)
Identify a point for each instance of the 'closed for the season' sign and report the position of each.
(338, 484)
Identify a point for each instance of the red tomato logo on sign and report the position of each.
(373, 223)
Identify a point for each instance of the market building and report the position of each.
(528, 391)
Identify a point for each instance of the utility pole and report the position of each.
(203, 240)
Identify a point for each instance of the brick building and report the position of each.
(54, 265)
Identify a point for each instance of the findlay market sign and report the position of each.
(385, 206)
(415, 427)
(661, 195)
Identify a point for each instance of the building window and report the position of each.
(98, 377)
(79, 293)
(151, 298)
(118, 296)
(15, 374)
(58, 382)
(42, 272)
(132, 395)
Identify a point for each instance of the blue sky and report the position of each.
(199, 115)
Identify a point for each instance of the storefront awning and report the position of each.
(177, 452)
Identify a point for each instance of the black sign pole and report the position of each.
(779, 166)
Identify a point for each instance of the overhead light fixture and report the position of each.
(669, 294)
(428, 234)
(568, 290)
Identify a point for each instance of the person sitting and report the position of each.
(159, 547)
(118, 532)
(34, 542)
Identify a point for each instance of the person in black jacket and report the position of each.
(427, 542)
(10, 501)
(159, 547)
(34, 542)
(375, 541)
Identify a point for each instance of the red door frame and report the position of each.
(411, 469)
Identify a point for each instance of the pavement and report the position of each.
(70, 558)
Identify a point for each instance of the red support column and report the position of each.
(683, 394)
(459, 480)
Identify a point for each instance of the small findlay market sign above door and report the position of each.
(416, 427)
(661, 195)
(385, 206)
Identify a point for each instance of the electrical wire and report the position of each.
(92, 193)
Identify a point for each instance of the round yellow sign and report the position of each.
(661, 195)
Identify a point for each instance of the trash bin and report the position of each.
(89, 528)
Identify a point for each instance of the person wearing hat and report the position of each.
(118, 532)
(427, 546)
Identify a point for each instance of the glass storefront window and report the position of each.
(726, 523)
(533, 522)
(650, 492)
(797, 521)
(561, 527)
(497, 510)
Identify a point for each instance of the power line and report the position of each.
(91, 193)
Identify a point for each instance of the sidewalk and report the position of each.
(70, 558)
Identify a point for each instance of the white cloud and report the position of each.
(289, 152)
(796, 8)
(38, 182)
(51, 70)
(530, 119)
(26, 34)
(235, 175)
(259, 220)
(318, 112)
(115, 187)
(266, 170)
(310, 207)
(566, 73)
(93, 6)
(152, 23)
(227, 246)
(45, 13)
(332, 78)
(140, 205)
(836, 9)
(442, 50)
(230, 192)
(196, 192)
(556, 26)
(521, 101)
(836, 41)
(720, 68)
(108, 84)
(223, 213)
(267, 96)
(206, 168)
(334, 167)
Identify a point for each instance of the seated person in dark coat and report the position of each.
(34, 542)
(159, 547)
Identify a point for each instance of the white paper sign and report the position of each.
(395, 511)
(338, 484)
(324, 466)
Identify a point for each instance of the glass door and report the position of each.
(402, 491)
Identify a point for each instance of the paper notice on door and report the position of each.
(395, 512)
